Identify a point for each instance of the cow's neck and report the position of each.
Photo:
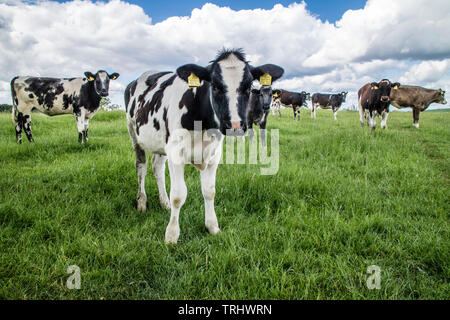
(94, 98)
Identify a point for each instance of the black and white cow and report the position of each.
(290, 99)
(374, 98)
(327, 101)
(258, 109)
(53, 96)
(182, 117)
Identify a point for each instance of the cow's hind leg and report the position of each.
(141, 170)
(18, 126)
(178, 193)
(80, 125)
(27, 127)
(159, 168)
(362, 115)
(208, 181)
(86, 128)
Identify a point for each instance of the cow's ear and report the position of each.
(113, 76)
(90, 76)
(396, 85)
(259, 73)
(374, 85)
(189, 73)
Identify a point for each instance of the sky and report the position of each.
(324, 46)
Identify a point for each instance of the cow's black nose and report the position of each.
(385, 99)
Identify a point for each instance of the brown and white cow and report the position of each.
(286, 98)
(53, 96)
(417, 98)
(373, 98)
(181, 117)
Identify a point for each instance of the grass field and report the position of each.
(344, 199)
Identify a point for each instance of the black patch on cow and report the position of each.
(129, 92)
(132, 108)
(151, 82)
(198, 108)
(153, 105)
(166, 123)
(156, 124)
(67, 101)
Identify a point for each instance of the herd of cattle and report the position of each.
(219, 96)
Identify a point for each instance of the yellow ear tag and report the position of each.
(275, 95)
(395, 87)
(91, 79)
(193, 81)
(114, 77)
(265, 80)
(375, 87)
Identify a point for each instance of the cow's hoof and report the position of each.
(142, 203)
(416, 125)
(172, 234)
(213, 230)
(165, 204)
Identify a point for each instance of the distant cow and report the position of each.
(182, 117)
(258, 110)
(53, 96)
(290, 99)
(417, 98)
(374, 99)
(327, 101)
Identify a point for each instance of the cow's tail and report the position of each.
(15, 101)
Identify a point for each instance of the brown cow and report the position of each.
(417, 98)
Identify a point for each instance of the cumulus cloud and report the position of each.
(398, 39)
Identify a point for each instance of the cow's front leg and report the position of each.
(384, 117)
(251, 133)
(86, 128)
(178, 193)
(208, 181)
(80, 125)
(335, 113)
(159, 168)
(372, 122)
(416, 114)
(27, 127)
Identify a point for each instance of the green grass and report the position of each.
(343, 199)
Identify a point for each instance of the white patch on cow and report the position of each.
(232, 73)
(384, 117)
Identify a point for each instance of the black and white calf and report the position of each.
(259, 107)
(181, 117)
(290, 99)
(53, 96)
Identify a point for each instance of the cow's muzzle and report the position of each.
(234, 128)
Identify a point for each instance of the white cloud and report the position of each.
(397, 39)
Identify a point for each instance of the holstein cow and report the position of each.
(164, 111)
(327, 101)
(290, 99)
(417, 98)
(374, 98)
(259, 108)
(53, 96)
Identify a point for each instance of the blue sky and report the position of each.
(330, 10)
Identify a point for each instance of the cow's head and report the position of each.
(264, 95)
(344, 95)
(100, 81)
(382, 90)
(230, 78)
(441, 97)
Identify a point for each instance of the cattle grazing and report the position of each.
(53, 96)
(290, 99)
(327, 101)
(417, 98)
(182, 117)
(258, 109)
(374, 99)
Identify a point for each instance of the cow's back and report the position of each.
(51, 96)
